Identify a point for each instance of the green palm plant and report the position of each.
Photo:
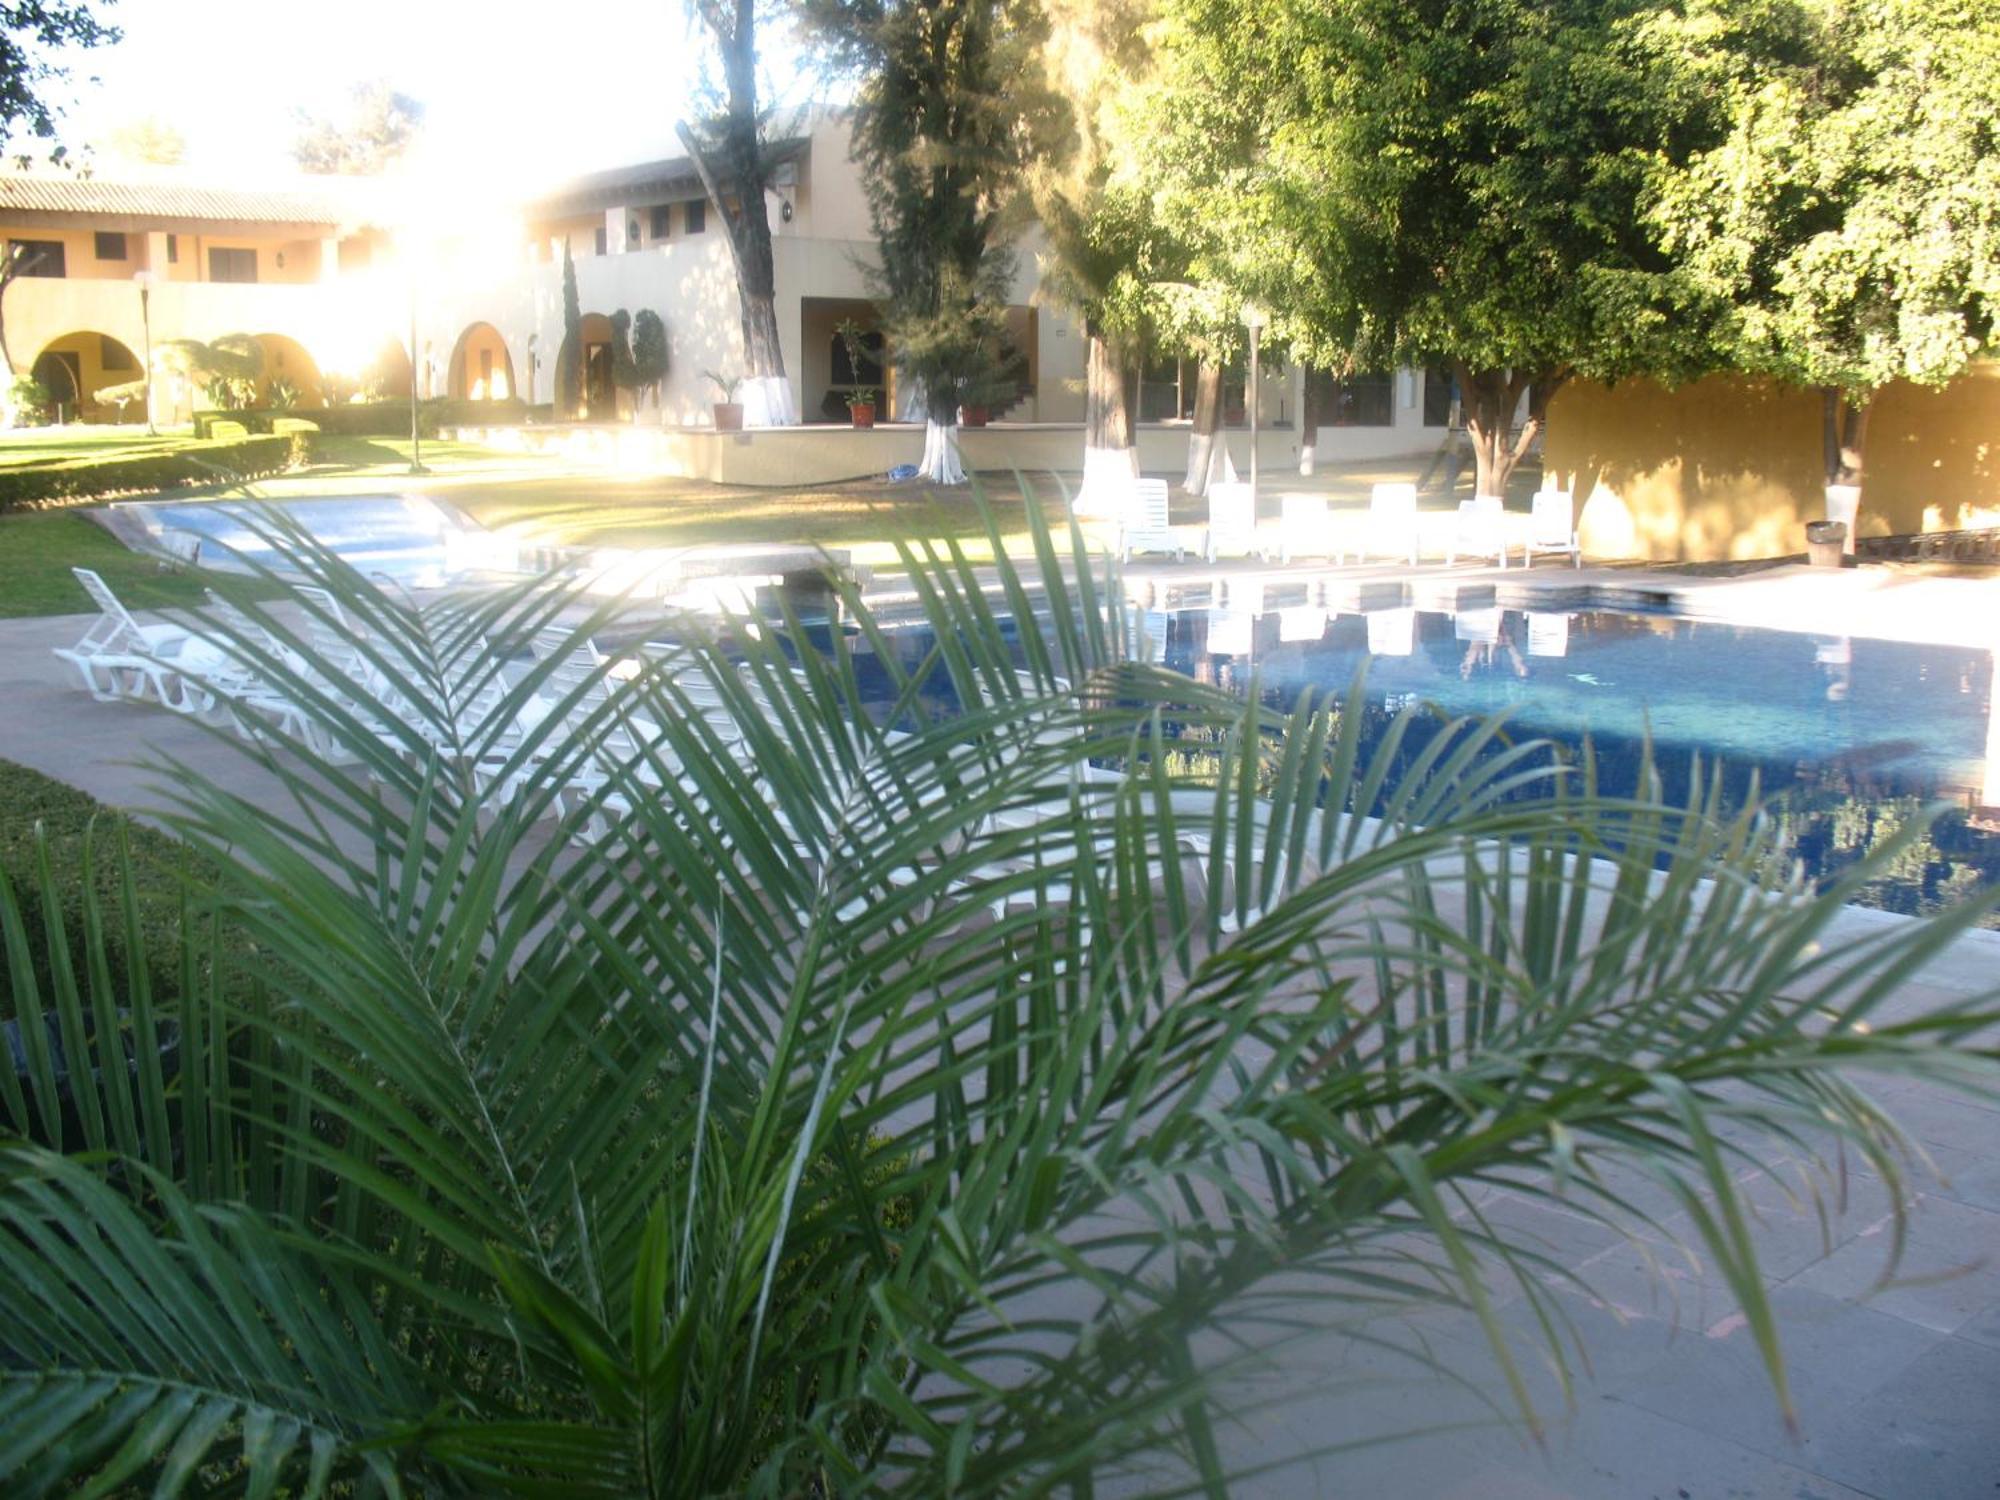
(863, 1097)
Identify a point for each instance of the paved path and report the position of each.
(1898, 1391)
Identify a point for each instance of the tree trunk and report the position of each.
(1491, 397)
(1110, 458)
(941, 462)
(767, 394)
(1208, 451)
(1844, 429)
(1318, 385)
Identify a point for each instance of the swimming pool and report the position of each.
(1850, 735)
(1848, 738)
(409, 538)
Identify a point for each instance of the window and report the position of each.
(694, 215)
(663, 220)
(1438, 391)
(39, 257)
(1361, 401)
(603, 241)
(110, 246)
(173, 249)
(228, 264)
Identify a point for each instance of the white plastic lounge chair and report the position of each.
(1232, 521)
(1480, 530)
(1145, 526)
(118, 659)
(1392, 523)
(1548, 635)
(1552, 527)
(1392, 632)
(1305, 528)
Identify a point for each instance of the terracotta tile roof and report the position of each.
(27, 192)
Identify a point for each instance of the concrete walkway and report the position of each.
(1898, 1390)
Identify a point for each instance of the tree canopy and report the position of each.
(374, 132)
(34, 34)
(1851, 215)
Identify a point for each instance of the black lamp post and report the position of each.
(144, 281)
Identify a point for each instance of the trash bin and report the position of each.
(1825, 542)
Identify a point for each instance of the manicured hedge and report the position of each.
(78, 481)
(72, 820)
(367, 419)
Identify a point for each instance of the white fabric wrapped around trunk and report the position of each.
(941, 464)
(767, 402)
(1307, 457)
(910, 400)
(1208, 462)
(1107, 481)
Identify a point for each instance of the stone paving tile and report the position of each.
(1715, 1379)
(1948, 1276)
(1930, 1432)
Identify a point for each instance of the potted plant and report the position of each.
(860, 400)
(861, 408)
(728, 413)
(972, 416)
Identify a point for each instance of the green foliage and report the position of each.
(293, 426)
(624, 372)
(375, 132)
(221, 459)
(29, 403)
(939, 133)
(831, 1106)
(361, 418)
(725, 384)
(121, 395)
(283, 395)
(569, 360)
(89, 848)
(32, 41)
(228, 369)
(1851, 216)
(650, 358)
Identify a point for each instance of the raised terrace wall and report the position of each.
(1730, 467)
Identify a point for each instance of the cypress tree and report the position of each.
(569, 363)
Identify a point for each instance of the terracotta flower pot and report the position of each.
(862, 413)
(728, 416)
(972, 416)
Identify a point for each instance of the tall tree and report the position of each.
(16, 260)
(649, 351)
(569, 359)
(148, 142)
(727, 149)
(1461, 181)
(33, 36)
(373, 133)
(1852, 215)
(938, 133)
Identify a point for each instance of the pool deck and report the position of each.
(1897, 1389)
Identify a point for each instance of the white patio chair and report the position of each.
(1480, 530)
(118, 660)
(1145, 527)
(1231, 632)
(1392, 632)
(1302, 623)
(1232, 521)
(1305, 528)
(1392, 523)
(1548, 635)
(1552, 527)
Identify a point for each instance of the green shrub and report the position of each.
(288, 426)
(73, 821)
(78, 481)
(355, 419)
(28, 401)
(221, 431)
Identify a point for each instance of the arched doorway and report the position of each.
(385, 374)
(285, 359)
(75, 367)
(481, 368)
(595, 386)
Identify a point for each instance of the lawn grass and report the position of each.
(38, 548)
(51, 444)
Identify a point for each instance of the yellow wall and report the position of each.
(1730, 467)
(89, 351)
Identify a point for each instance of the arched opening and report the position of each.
(598, 392)
(288, 369)
(75, 368)
(481, 368)
(382, 376)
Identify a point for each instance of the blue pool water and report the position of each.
(408, 538)
(1849, 738)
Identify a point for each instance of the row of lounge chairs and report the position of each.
(1306, 528)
